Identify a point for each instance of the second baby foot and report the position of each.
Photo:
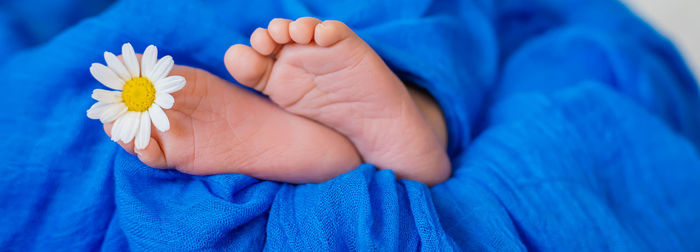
(325, 72)
(217, 127)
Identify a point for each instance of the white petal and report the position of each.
(106, 76)
(148, 60)
(112, 112)
(96, 110)
(117, 128)
(132, 63)
(106, 96)
(144, 134)
(164, 100)
(160, 120)
(170, 84)
(117, 66)
(131, 125)
(161, 69)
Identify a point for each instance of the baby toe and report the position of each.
(152, 155)
(261, 41)
(279, 30)
(302, 29)
(331, 31)
(128, 147)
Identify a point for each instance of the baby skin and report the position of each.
(333, 104)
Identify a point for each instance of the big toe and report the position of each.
(247, 66)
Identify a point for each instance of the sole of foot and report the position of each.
(217, 127)
(325, 72)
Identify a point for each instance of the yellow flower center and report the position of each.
(138, 94)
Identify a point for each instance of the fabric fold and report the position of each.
(572, 124)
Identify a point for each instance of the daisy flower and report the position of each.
(139, 95)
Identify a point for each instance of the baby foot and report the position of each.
(325, 72)
(217, 127)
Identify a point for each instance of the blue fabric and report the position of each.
(572, 125)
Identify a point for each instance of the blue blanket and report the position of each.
(572, 124)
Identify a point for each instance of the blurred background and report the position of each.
(678, 20)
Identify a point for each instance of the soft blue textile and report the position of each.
(573, 126)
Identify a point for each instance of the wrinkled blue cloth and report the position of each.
(572, 124)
